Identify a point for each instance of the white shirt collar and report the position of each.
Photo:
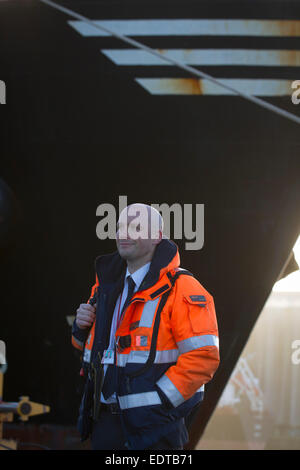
(138, 275)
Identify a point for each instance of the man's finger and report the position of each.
(88, 307)
(86, 315)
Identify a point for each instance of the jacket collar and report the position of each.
(111, 267)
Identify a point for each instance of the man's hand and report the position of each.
(85, 316)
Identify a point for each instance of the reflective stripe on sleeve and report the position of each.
(169, 389)
(148, 313)
(139, 399)
(170, 355)
(196, 342)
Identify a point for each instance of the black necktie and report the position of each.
(110, 383)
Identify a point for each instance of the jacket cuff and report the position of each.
(170, 391)
(165, 401)
(79, 334)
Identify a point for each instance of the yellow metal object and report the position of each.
(24, 408)
(28, 408)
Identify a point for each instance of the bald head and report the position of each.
(139, 230)
(144, 219)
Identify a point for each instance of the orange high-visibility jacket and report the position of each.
(167, 344)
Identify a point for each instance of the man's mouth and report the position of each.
(126, 243)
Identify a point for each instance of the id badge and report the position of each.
(108, 356)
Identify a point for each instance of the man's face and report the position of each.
(133, 235)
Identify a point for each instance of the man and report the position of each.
(150, 342)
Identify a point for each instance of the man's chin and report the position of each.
(126, 252)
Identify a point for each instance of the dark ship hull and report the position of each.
(81, 128)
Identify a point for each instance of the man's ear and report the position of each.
(156, 241)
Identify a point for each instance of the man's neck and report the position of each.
(133, 266)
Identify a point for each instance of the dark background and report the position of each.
(77, 131)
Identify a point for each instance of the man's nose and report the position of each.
(123, 233)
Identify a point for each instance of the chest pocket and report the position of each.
(197, 305)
